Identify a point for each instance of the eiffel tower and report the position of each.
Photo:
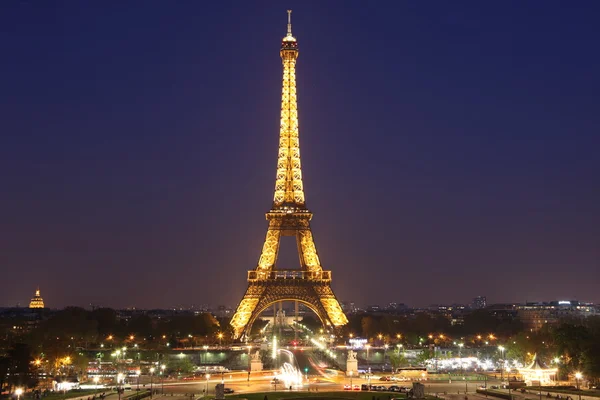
(310, 284)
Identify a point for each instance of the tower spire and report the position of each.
(289, 191)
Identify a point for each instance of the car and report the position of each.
(227, 390)
(347, 387)
(355, 387)
(494, 387)
(385, 378)
(394, 388)
(364, 387)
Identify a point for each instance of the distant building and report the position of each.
(479, 302)
(535, 315)
(224, 311)
(395, 307)
(348, 307)
(37, 301)
(373, 308)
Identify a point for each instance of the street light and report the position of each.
(460, 346)
(385, 347)
(207, 378)
(578, 376)
(162, 378)
(501, 348)
(151, 375)
(18, 392)
(220, 336)
(138, 373)
(119, 379)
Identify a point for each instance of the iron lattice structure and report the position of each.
(310, 284)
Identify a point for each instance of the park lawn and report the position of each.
(351, 395)
(572, 393)
(71, 394)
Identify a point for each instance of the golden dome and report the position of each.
(37, 301)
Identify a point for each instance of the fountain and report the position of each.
(289, 372)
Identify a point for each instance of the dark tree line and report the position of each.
(422, 324)
(75, 327)
(16, 369)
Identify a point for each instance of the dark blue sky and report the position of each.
(450, 149)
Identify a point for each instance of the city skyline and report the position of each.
(447, 153)
(472, 303)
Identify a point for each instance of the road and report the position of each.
(240, 384)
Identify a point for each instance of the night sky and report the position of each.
(450, 149)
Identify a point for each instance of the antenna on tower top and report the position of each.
(289, 32)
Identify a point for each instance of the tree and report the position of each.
(180, 365)
(370, 326)
(591, 360)
(19, 367)
(397, 360)
(80, 363)
(4, 368)
(572, 342)
(424, 356)
(108, 323)
(311, 322)
(141, 325)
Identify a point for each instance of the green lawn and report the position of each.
(358, 395)
(71, 394)
(572, 393)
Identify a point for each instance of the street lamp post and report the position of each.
(151, 376)
(460, 346)
(578, 376)
(18, 392)
(138, 373)
(207, 378)
(385, 347)
(162, 378)
(501, 348)
(119, 385)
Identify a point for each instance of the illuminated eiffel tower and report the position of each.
(310, 284)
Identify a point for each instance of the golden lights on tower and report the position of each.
(288, 217)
